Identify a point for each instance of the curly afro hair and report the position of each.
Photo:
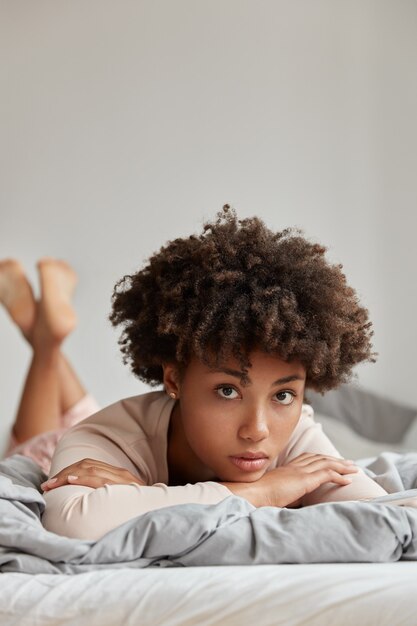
(238, 287)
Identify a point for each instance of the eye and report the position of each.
(226, 392)
(285, 397)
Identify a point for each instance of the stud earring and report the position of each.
(173, 395)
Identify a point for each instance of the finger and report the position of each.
(78, 474)
(341, 480)
(329, 475)
(85, 466)
(101, 481)
(58, 481)
(85, 481)
(330, 467)
(315, 480)
(60, 478)
(338, 466)
(90, 481)
(312, 455)
(81, 473)
(321, 457)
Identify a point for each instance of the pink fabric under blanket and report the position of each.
(41, 447)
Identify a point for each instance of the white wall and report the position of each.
(125, 124)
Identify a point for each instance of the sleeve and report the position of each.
(85, 513)
(313, 439)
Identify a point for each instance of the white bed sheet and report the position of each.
(380, 594)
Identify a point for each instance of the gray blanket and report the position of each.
(232, 532)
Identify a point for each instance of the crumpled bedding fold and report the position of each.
(232, 532)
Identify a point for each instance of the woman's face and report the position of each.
(220, 417)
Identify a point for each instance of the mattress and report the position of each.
(338, 594)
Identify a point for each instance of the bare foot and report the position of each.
(55, 317)
(16, 295)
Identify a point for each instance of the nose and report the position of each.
(254, 427)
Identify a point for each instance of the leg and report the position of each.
(70, 387)
(54, 319)
(17, 297)
(62, 279)
(39, 409)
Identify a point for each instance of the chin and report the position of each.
(242, 477)
(251, 478)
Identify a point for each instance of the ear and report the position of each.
(171, 378)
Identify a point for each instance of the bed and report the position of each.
(265, 595)
(177, 591)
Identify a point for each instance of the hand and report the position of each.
(288, 484)
(91, 473)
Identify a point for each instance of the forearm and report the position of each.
(261, 493)
(249, 491)
(86, 513)
(255, 495)
(361, 488)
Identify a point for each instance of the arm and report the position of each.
(88, 513)
(310, 471)
(314, 440)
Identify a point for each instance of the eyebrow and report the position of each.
(240, 375)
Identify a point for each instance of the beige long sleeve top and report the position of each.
(132, 434)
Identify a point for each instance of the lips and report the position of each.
(251, 455)
(253, 463)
